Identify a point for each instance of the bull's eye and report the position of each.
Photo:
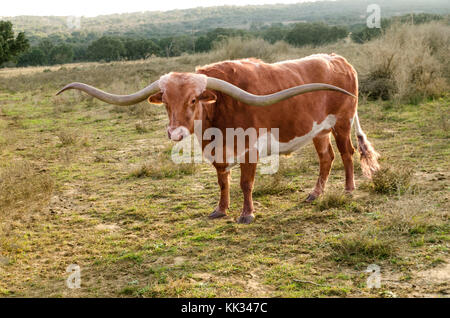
(193, 101)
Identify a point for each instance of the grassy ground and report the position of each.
(87, 183)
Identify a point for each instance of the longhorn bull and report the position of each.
(306, 99)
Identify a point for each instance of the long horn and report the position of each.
(122, 100)
(264, 100)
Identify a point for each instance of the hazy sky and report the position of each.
(96, 7)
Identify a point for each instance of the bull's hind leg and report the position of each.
(341, 134)
(326, 157)
(248, 171)
(223, 178)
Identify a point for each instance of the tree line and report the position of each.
(153, 24)
(80, 47)
(361, 33)
(113, 48)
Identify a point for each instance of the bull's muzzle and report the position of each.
(177, 133)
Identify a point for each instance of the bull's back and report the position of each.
(258, 77)
(294, 116)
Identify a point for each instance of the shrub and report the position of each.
(379, 82)
(407, 63)
(390, 181)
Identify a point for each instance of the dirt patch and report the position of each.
(107, 227)
(435, 281)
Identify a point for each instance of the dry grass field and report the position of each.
(83, 182)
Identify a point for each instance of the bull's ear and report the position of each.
(156, 98)
(208, 97)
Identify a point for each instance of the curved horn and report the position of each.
(121, 100)
(264, 100)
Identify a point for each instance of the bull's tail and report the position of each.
(369, 157)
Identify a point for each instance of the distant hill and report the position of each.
(198, 20)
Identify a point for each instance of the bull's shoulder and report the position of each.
(227, 70)
(243, 73)
(341, 65)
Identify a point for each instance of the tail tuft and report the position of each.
(369, 157)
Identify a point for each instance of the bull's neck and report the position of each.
(208, 113)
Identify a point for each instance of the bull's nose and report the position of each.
(177, 133)
(177, 138)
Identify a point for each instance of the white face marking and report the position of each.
(199, 81)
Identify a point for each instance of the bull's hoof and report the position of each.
(311, 197)
(217, 214)
(349, 193)
(245, 219)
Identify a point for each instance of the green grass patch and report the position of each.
(355, 249)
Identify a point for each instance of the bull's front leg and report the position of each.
(223, 178)
(248, 171)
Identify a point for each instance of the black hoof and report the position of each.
(217, 214)
(245, 219)
(311, 197)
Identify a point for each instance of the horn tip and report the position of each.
(69, 86)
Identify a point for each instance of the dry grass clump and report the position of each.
(63, 104)
(407, 63)
(162, 168)
(354, 249)
(70, 137)
(332, 200)
(391, 181)
(413, 216)
(272, 185)
(141, 127)
(23, 188)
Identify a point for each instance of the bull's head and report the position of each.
(184, 94)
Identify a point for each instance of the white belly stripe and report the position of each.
(298, 142)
